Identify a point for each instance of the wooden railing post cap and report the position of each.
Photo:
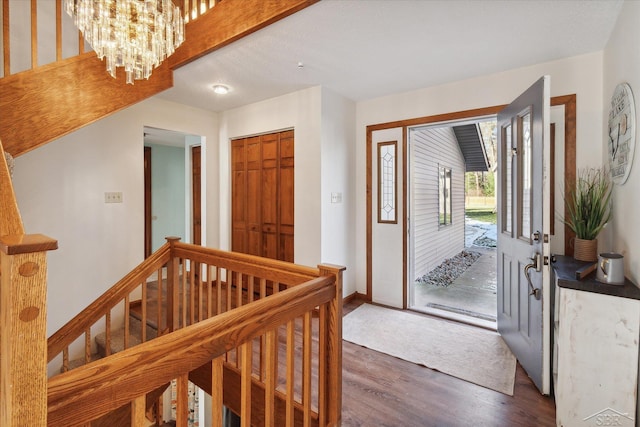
(332, 267)
(26, 243)
(173, 239)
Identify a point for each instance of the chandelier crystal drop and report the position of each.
(135, 34)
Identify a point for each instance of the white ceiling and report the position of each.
(364, 49)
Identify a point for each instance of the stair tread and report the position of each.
(117, 338)
(150, 322)
(76, 363)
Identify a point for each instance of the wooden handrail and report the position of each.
(270, 269)
(96, 310)
(102, 386)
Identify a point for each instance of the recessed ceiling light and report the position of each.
(220, 89)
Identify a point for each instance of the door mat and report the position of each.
(466, 352)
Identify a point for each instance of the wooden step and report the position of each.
(117, 340)
(76, 363)
(117, 337)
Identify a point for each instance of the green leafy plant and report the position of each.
(589, 207)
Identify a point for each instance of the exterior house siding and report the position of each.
(431, 147)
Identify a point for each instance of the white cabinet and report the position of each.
(595, 357)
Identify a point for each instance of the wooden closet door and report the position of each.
(262, 195)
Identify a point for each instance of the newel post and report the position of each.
(334, 353)
(173, 287)
(23, 329)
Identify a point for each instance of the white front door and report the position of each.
(523, 229)
(387, 261)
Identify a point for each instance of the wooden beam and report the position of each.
(229, 21)
(48, 102)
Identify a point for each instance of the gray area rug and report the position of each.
(466, 352)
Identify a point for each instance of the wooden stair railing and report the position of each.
(49, 101)
(80, 395)
(113, 308)
(203, 284)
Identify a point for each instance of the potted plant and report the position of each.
(588, 210)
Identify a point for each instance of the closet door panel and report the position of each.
(286, 197)
(238, 196)
(252, 202)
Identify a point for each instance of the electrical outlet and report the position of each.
(113, 197)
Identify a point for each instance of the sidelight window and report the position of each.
(387, 196)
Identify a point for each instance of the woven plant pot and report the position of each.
(585, 250)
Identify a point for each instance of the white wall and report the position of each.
(338, 176)
(60, 189)
(581, 75)
(622, 64)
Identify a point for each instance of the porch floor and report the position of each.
(472, 294)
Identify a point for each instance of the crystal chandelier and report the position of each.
(135, 34)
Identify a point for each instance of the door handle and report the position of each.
(535, 263)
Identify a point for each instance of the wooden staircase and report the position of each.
(263, 337)
(49, 101)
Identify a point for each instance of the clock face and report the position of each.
(622, 133)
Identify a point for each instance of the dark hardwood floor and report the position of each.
(381, 390)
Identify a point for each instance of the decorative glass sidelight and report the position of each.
(387, 194)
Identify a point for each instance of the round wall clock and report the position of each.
(622, 133)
